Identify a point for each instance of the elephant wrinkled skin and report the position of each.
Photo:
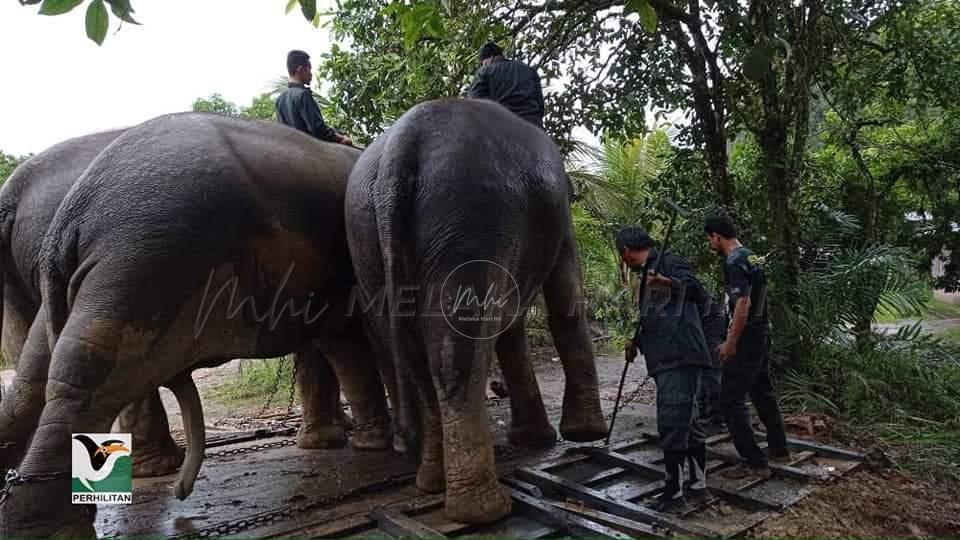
(28, 202)
(193, 239)
(456, 217)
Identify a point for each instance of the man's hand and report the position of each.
(727, 350)
(346, 140)
(658, 281)
(629, 350)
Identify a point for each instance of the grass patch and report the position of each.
(938, 309)
(257, 380)
(952, 336)
(903, 391)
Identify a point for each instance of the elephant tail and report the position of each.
(191, 409)
(395, 188)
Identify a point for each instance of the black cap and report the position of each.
(489, 50)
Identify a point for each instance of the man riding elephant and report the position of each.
(28, 201)
(193, 239)
(457, 216)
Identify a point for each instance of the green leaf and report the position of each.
(290, 5)
(122, 10)
(309, 9)
(98, 20)
(58, 7)
(648, 17)
(633, 6)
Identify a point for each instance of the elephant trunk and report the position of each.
(191, 409)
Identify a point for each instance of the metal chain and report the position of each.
(248, 449)
(293, 391)
(14, 478)
(242, 524)
(276, 386)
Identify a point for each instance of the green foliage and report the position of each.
(902, 388)
(260, 108)
(399, 55)
(7, 165)
(97, 21)
(257, 380)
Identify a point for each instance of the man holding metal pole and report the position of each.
(672, 341)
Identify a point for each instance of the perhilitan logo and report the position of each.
(102, 468)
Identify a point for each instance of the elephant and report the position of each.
(458, 200)
(192, 239)
(28, 201)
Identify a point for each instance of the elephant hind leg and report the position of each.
(146, 420)
(563, 291)
(20, 410)
(352, 359)
(320, 395)
(529, 425)
(458, 365)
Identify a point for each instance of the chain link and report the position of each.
(293, 391)
(276, 386)
(14, 478)
(248, 449)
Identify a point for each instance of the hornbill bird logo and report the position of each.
(103, 457)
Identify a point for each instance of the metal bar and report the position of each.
(575, 455)
(520, 485)
(821, 449)
(783, 471)
(400, 526)
(616, 459)
(603, 476)
(634, 528)
(541, 511)
(655, 487)
(800, 457)
(550, 482)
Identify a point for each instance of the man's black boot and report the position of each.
(672, 495)
(697, 465)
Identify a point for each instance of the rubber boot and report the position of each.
(672, 495)
(697, 465)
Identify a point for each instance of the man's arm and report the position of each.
(310, 112)
(480, 89)
(676, 274)
(739, 288)
(539, 95)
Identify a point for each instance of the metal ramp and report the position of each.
(604, 492)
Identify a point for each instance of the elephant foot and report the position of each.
(374, 437)
(431, 477)
(157, 461)
(345, 420)
(584, 426)
(35, 510)
(321, 437)
(540, 435)
(478, 504)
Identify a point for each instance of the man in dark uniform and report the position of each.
(714, 325)
(673, 345)
(510, 83)
(296, 106)
(744, 354)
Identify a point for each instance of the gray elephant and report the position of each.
(456, 217)
(28, 201)
(191, 240)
